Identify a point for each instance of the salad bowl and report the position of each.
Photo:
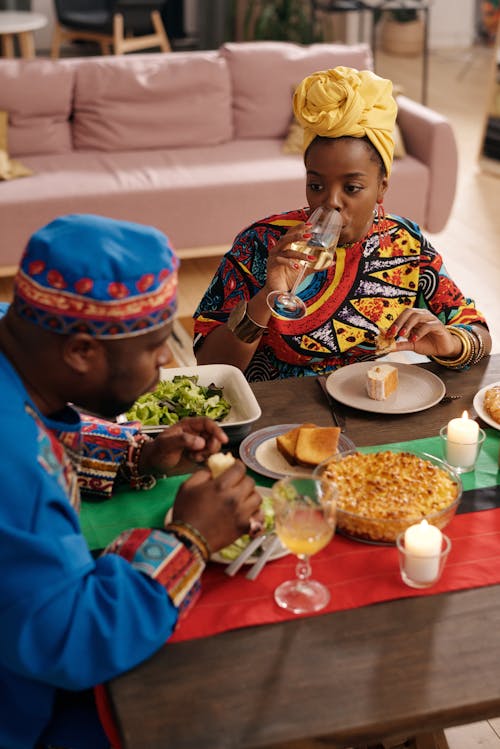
(228, 383)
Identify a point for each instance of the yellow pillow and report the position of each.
(9, 168)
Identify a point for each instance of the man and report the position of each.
(93, 305)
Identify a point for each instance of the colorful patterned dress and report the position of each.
(368, 286)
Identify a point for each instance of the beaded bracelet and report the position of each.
(186, 531)
(130, 467)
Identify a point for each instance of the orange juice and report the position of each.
(304, 531)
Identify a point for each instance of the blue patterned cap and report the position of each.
(108, 278)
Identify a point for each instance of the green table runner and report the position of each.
(102, 521)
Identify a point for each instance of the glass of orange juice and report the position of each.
(304, 517)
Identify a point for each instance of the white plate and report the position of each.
(259, 452)
(244, 406)
(478, 404)
(417, 390)
(264, 491)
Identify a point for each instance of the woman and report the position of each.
(386, 277)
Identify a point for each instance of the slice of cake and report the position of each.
(381, 381)
(316, 444)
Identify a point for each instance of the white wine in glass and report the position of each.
(326, 225)
(304, 516)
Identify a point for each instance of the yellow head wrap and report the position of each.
(344, 101)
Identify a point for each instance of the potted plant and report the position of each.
(281, 20)
(402, 32)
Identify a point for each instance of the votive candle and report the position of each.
(461, 443)
(422, 544)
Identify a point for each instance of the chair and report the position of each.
(120, 25)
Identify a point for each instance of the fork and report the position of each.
(273, 545)
(247, 552)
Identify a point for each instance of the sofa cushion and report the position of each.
(152, 101)
(37, 94)
(264, 73)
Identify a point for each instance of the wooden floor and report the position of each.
(470, 244)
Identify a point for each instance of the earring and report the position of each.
(384, 238)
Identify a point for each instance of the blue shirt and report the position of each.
(67, 621)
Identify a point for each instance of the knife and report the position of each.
(337, 416)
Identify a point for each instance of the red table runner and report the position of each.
(356, 574)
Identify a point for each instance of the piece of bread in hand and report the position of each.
(316, 444)
(384, 344)
(286, 442)
(381, 381)
(219, 462)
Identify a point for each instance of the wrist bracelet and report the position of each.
(241, 324)
(186, 531)
(130, 467)
(472, 348)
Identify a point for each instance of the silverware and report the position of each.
(337, 416)
(271, 546)
(247, 552)
(449, 398)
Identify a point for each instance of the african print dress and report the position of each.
(368, 286)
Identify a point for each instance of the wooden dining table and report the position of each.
(410, 666)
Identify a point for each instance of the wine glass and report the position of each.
(326, 225)
(304, 517)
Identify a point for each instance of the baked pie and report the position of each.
(381, 494)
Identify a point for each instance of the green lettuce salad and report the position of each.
(174, 399)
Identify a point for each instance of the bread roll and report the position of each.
(492, 402)
(381, 381)
(219, 462)
(384, 344)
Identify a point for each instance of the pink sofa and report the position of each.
(189, 142)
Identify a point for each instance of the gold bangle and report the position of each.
(466, 355)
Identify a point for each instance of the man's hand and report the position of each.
(196, 437)
(221, 509)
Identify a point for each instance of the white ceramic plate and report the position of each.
(259, 452)
(417, 390)
(244, 406)
(478, 404)
(264, 491)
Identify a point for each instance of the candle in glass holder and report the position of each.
(422, 547)
(461, 444)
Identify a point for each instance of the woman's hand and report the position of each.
(221, 509)
(425, 333)
(196, 437)
(283, 262)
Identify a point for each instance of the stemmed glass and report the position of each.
(304, 516)
(326, 225)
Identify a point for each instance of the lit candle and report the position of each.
(461, 444)
(423, 543)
